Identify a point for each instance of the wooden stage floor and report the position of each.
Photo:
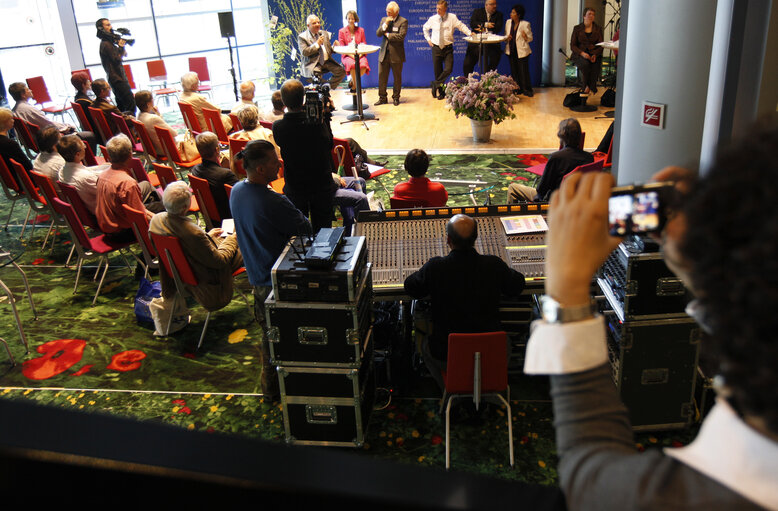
(423, 122)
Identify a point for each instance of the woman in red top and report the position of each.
(351, 34)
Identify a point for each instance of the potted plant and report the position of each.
(483, 99)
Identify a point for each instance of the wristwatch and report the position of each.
(554, 312)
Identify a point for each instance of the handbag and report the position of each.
(161, 309)
(572, 99)
(147, 291)
(187, 147)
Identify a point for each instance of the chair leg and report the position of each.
(70, 255)
(8, 220)
(100, 285)
(13, 360)
(78, 272)
(205, 327)
(97, 271)
(48, 234)
(16, 315)
(27, 287)
(26, 219)
(448, 437)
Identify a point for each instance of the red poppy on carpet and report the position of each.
(179, 402)
(185, 410)
(57, 357)
(521, 178)
(524, 440)
(189, 355)
(436, 439)
(38, 261)
(126, 360)
(83, 370)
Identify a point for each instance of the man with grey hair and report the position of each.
(211, 170)
(392, 31)
(316, 53)
(115, 187)
(247, 90)
(213, 258)
(75, 173)
(190, 82)
(559, 164)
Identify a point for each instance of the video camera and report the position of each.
(317, 102)
(117, 35)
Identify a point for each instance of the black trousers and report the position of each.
(492, 53)
(442, 63)
(590, 71)
(383, 77)
(125, 101)
(317, 203)
(520, 72)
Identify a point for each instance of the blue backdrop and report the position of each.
(417, 71)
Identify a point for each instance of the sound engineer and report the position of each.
(727, 257)
(464, 288)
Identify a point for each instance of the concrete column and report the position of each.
(560, 38)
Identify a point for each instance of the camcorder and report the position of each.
(638, 209)
(317, 102)
(117, 35)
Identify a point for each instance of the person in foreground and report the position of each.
(733, 462)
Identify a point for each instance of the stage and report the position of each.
(420, 121)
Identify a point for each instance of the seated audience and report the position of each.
(252, 130)
(10, 149)
(278, 109)
(75, 173)
(49, 161)
(115, 187)
(213, 259)
(102, 91)
(149, 116)
(731, 271)
(210, 170)
(419, 188)
(190, 82)
(247, 90)
(350, 198)
(559, 164)
(464, 288)
(24, 110)
(83, 85)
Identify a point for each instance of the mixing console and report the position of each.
(400, 241)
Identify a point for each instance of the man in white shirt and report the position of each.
(48, 161)
(247, 90)
(439, 33)
(82, 178)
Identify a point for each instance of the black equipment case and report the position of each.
(317, 333)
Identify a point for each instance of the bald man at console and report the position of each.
(465, 289)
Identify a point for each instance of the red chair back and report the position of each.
(266, 125)
(460, 369)
(172, 256)
(88, 73)
(9, 181)
(165, 174)
(29, 188)
(130, 78)
(348, 158)
(145, 139)
(166, 138)
(236, 125)
(39, 90)
(237, 146)
(25, 131)
(202, 191)
(595, 166)
(74, 223)
(141, 227)
(82, 118)
(228, 189)
(213, 119)
(199, 65)
(45, 185)
(190, 117)
(138, 170)
(90, 159)
(75, 200)
(397, 203)
(157, 70)
(104, 152)
(101, 123)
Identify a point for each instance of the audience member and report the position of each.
(252, 130)
(103, 101)
(464, 288)
(150, 117)
(83, 85)
(350, 198)
(49, 161)
(559, 164)
(211, 170)
(247, 90)
(213, 259)
(419, 188)
(316, 53)
(115, 187)
(10, 149)
(278, 110)
(731, 271)
(264, 222)
(190, 83)
(306, 150)
(75, 173)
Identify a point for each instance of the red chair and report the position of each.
(158, 76)
(25, 131)
(348, 163)
(145, 141)
(84, 215)
(46, 185)
(12, 189)
(104, 152)
(398, 203)
(606, 157)
(236, 125)
(41, 95)
(140, 226)
(140, 174)
(266, 124)
(595, 166)
(130, 78)
(101, 123)
(213, 119)
(36, 201)
(171, 151)
(90, 160)
(190, 117)
(121, 125)
(82, 118)
(541, 167)
(199, 65)
(88, 73)
(477, 365)
(88, 247)
(237, 146)
(204, 196)
(228, 190)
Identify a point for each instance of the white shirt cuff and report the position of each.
(566, 348)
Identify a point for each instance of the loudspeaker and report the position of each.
(226, 24)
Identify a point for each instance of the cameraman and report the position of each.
(306, 148)
(111, 53)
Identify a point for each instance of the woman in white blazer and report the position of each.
(519, 36)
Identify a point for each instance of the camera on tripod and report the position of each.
(317, 102)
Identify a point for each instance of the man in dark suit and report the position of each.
(484, 19)
(392, 32)
(316, 53)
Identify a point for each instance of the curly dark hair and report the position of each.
(731, 242)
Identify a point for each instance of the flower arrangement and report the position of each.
(482, 98)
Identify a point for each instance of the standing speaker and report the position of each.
(226, 24)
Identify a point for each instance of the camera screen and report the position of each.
(634, 213)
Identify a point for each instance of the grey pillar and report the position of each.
(559, 39)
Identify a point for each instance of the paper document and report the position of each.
(524, 224)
